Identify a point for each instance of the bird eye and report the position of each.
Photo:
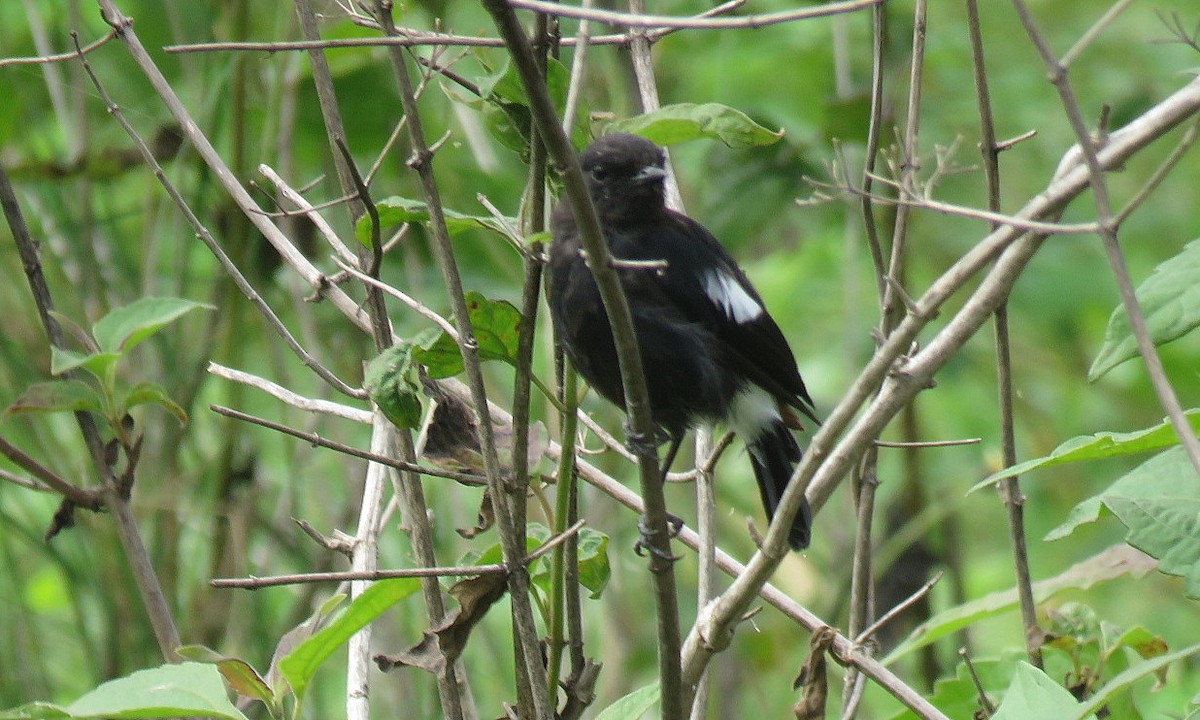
(599, 173)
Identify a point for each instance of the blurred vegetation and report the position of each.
(215, 498)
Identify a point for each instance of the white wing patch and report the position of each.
(729, 295)
(752, 411)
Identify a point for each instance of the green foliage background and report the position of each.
(216, 498)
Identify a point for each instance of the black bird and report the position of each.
(710, 350)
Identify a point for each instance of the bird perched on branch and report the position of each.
(710, 351)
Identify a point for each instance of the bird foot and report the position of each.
(674, 524)
(641, 445)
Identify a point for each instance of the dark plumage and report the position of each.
(710, 350)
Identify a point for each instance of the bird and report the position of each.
(711, 352)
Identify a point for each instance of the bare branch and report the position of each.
(60, 57)
(636, 20)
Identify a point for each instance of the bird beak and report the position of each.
(648, 174)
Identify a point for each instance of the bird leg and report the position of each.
(673, 525)
(674, 522)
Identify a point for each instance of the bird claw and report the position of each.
(640, 445)
(674, 524)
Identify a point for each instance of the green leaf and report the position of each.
(301, 664)
(958, 697)
(1116, 561)
(98, 364)
(1170, 300)
(633, 705)
(497, 328)
(505, 105)
(125, 327)
(1124, 680)
(291, 640)
(148, 392)
(672, 124)
(1034, 696)
(392, 384)
(238, 673)
(594, 568)
(396, 210)
(1159, 502)
(187, 689)
(35, 711)
(58, 396)
(1099, 446)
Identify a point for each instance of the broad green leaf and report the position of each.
(1124, 680)
(633, 705)
(392, 383)
(505, 105)
(1159, 502)
(238, 673)
(672, 124)
(35, 711)
(1034, 696)
(148, 392)
(188, 689)
(397, 210)
(1170, 300)
(1116, 561)
(1139, 639)
(58, 396)
(497, 327)
(594, 568)
(1099, 446)
(98, 364)
(1072, 625)
(125, 327)
(75, 330)
(958, 697)
(292, 639)
(301, 664)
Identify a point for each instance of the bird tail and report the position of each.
(773, 455)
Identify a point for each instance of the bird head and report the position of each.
(625, 176)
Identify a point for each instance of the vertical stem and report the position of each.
(512, 537)
(1010, 488)
(706, 554)
(641, 431)
(365, 558)
(564, 492)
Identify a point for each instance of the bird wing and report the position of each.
(707, 286)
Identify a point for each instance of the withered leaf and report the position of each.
(812, 676)
(444, 644)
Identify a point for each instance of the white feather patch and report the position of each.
(729, 295)
(752, 411)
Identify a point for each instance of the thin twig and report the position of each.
(60, 57)
(314, 439)
(255, 582)
(637, 20)
(1011, 491)
(928, 443)
(888, 616)
(91, 499)
(294, 399)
